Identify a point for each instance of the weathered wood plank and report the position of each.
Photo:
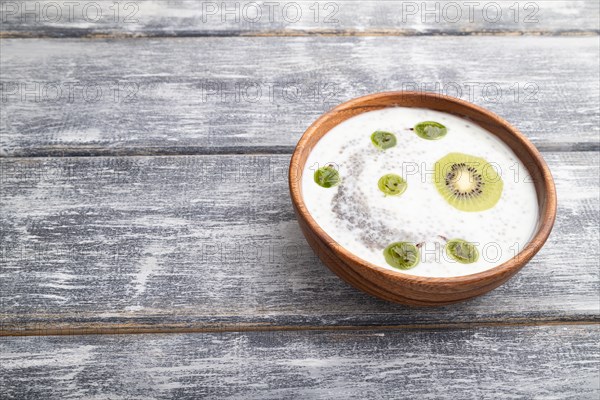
(301, 17)
(210, 242)
(553, 362)
(201, 95)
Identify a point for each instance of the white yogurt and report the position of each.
(360, 218)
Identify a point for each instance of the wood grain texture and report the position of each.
(211, 242)
(301, 17)
(534, 362)
(232, 95)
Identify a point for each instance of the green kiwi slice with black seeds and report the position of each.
(467, 183)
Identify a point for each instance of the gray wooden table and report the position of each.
(148, 244)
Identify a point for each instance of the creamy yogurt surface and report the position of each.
(363, 220)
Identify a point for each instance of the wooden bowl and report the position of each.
(396, 286)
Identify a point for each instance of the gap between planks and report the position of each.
(232, 328)
(232, 151)
(76, 34)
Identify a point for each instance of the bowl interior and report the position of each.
(520, 145)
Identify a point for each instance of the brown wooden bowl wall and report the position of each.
(397, 286)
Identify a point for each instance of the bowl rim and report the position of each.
(509, 267)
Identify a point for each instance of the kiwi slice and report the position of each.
(383, 140)
(467, 183)
(327, 176)
(402, 255)
(392, 184)
(462, 251)
(430, 130)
